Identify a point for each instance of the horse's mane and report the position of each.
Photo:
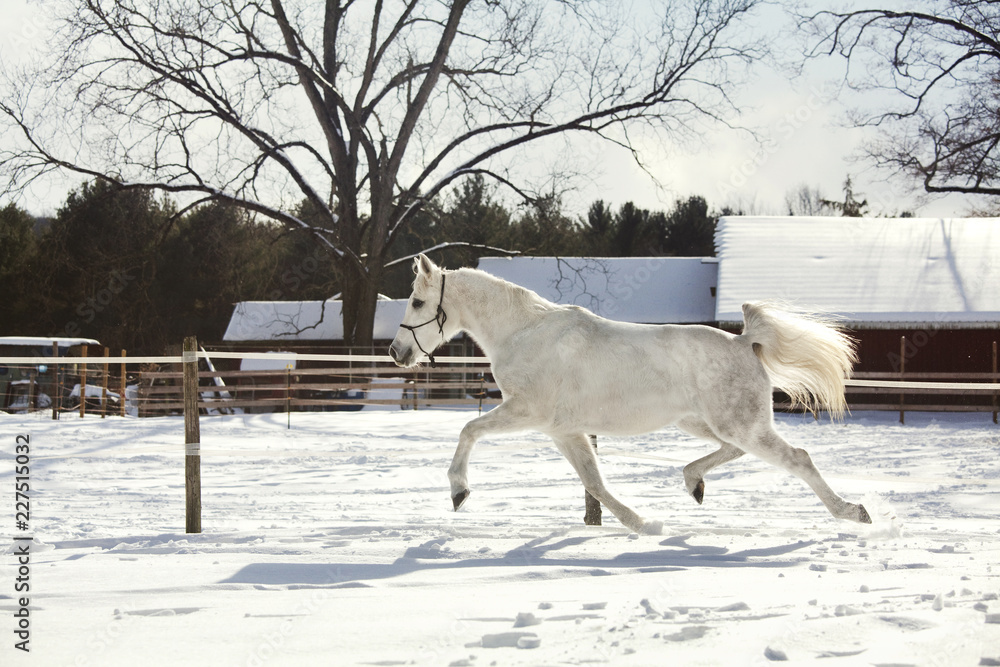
(515, 296)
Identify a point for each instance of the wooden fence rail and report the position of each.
(161, 392)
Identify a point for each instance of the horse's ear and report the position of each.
(423, 266)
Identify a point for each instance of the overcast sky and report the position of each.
(800, 123)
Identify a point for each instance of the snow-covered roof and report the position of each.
(656, 290)
(873, 272)
(305, 320)
(45, 341)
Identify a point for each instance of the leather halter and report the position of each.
(439, 318)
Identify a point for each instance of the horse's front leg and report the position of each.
(507, 417)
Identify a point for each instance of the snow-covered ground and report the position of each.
(334, 543)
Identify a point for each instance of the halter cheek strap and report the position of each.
(440, 317)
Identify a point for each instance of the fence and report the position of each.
(330, 388)
(326, 389)
(66, 384)
(349, 382)
(155, 385)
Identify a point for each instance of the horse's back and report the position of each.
(611, 377)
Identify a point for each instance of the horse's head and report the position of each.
(423, 328)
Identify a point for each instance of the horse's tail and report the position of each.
(806, 355)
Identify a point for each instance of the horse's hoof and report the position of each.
(863, 516)
(699, 491)
(460, 499)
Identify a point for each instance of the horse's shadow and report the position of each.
(536, 556)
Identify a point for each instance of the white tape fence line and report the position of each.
(385, 359)
(269, 356)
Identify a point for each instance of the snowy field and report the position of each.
(334, 543)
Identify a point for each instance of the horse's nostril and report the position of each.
(393, 354)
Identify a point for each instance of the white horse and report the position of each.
(567, 373)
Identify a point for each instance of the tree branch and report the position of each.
(450, 244)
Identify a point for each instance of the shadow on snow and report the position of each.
(676, 556)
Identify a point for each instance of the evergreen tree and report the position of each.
(544, 230)
(472, 215)
(101, 249)
(18, 264)
(598, 229)
(850, 207)
(690, 230)
(630, 229)
(216, 256)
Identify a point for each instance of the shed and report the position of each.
(12, 378)
(313, 327)
(310, 322)
(653, 290)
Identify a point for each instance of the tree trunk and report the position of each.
(364, 328)
(360, 296)
(361, 285)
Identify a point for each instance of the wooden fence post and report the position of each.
(104, 386)
(140, 396)
(192, 437)
(902, 369)
(592, 515)
(32, 389)
(121, 401)
(56, 382)
(996, 378)
(83, 382)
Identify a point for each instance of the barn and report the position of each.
(922, 295)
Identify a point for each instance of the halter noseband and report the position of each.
(439, 318)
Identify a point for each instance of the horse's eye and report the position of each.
(417, 303)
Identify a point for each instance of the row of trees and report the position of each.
(135, 272)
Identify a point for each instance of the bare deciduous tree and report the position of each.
(362, 109)
(805, 200)
(942, 70)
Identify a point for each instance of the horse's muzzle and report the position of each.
(402, 358)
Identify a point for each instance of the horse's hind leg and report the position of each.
(694, 472)
(771, 447)
(581, 455)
